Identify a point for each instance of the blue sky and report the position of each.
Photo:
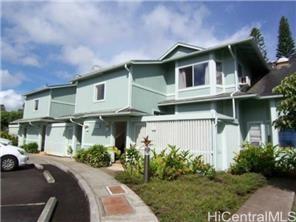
(49, 42)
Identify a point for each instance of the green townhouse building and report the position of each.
(205, 100)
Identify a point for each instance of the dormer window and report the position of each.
(195, 75)
(100, 92)
(36, 104)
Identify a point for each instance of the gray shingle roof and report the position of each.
(264, 86)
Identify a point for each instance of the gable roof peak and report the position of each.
(181, 44)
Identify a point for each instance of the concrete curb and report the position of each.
(49, 178)
(38, 166)
(94, 206)
(47, 211)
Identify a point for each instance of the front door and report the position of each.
(120, 135)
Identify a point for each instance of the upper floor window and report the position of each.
(100, 91)
(219, 73)
(196, 75)
(36, 104)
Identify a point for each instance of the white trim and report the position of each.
(273, 117)
(176, 80)
(62, 102)
(58, 124)
(177, 45)
(112, 137)
(193, 64)
(192, 67)
(148, 89)
(229, 86)
(270, 97)
(195, 87)
(95, 92)
(212, 74)
(177, 117)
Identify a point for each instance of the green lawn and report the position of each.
(191, 197)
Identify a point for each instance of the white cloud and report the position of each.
(100, 33)
(8, 80)
(11, 99)
(81, 57)
(18, 53)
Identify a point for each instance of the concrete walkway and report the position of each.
(109, 199)
(269, 199)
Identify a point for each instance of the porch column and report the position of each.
(128, 134)
(273, 116)
(74, 138)
(112, 134)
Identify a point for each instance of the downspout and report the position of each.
(129, 92)
(236, 83)
(72, 121)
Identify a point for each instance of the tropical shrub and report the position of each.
(132, 161)
(95, 156)
(171, 163)
(266, 159)
(12, 138)
(285, 162)
(31, 148)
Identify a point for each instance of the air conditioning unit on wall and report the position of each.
(244, 81)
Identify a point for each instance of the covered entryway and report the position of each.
(120, 135)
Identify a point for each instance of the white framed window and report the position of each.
(219, 73)
(36, 104)
(194, 75)
(99, 92)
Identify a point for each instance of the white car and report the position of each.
(11, 156)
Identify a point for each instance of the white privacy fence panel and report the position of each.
(193, 135)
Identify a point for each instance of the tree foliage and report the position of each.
(7, 117)
(286, 45)
(287, 106)
(258, 37)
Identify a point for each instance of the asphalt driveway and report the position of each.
(24, 193)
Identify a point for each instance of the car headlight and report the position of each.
(21, 152)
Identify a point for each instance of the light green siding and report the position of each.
(149, 87)
(228, 70)
(193, 92)
(224, 107)
(228, 144)
(145, 100)
(116, 92)
(65, 94)
(170, 78)
(196, 108)
(61, 109)
(151, 76)
(43, 107)
(33, 134)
